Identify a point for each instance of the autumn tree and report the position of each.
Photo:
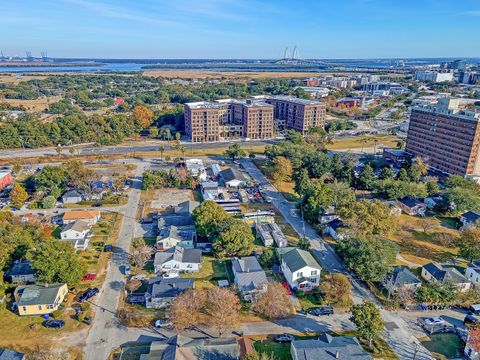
(18, 195)
(281, 169)
(474, 338)
(336, 289)
(141, 255)
(185, 310)
(469, 243)
(208, 216)
(368, 320)
(274, 303)
(222, 308)
(144, 115)
(233, 237)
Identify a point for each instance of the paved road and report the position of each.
(398, 334)
(101, 338)
(146, 146)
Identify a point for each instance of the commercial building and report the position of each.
(433, 76)
(254, 118)
(446, 137)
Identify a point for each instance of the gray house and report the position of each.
(22, 272)
(72, 196)
(437, 273)
(327, 347)
(178, 215)
(7, 354)
(401, 278)
(161, 292)
(249, 277)
(182, 347)
(177, 260)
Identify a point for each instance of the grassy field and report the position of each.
(420, 246)
(444, 346)
(211, 271)
(366, 141)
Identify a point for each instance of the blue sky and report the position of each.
(241, 28)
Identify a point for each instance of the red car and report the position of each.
(288, 291)
(88, 277)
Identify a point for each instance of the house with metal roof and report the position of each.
(401, 278)
(271, 233)
(185, 348)
(233, 178)
(178, 259)
(161, 292)
(39, 299)
(22, 272)
(7, 354)
(299, 267)
(249, 277)
(437, 273)
(328, 347)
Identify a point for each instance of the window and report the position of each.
(314, 272)
(24, 308)
(39, 307)
(299, 274)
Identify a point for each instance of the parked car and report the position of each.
(88, 277)
(163, 323)
(284, 338)
(325, 310)
(108, 248)
(88, 294)
(474, 309)
(136, 299)
(434, 321)
(288, 290)
(54, 324)
(127, 270)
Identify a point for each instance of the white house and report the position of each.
(437, 273)
(473, 273)
(183, 236)
(72, 197)
(233, 178)
(78, 233)
(469, 218)
(91, 217)
(196, 168)
(299, 267)
(334, 229)
(178, 260)
(432, 201)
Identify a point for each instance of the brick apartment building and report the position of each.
(447, 137)
(254, 118)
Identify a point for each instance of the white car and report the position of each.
(434, 321)
(170, 275)
(162, 323)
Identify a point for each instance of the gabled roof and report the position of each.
(7, 354)
(232, 174)
(37, 294)
(246, 264)
(297, 259)
(73, 193)
(81, 214)
(335, 224)
(250, 280)
(442, 274)
(186, 207)
(402, 276)
(21, 268)
(471, 217)
(410, 201)
(79, 225)
(328, 347)
(179, 254)
(168, 288)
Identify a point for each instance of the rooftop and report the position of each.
(81, 214)
(327, 347)
(168, 288)
(297, 259)
(37, 294)
(22, 268)
(246, 264)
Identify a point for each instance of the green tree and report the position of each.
(304, 244)
(48, 202)
(386, 173)
(234, 152)
(154, 132)
(281, 169)
(402, 175)
(267, 258)
(366, 177)
(208, 216)
(369, 259)
(436, 293)
(368, 320)
(56, 262)
(161, 150)
(18, 195)
(233, 238)
(469, 243)
(51, 176)
(16, 168)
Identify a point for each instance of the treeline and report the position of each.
(75, 127)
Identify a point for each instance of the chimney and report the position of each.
(337, 355)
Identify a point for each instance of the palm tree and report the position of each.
(161, 149)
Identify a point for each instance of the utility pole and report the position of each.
(415, 353)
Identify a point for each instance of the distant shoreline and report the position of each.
(47, 64)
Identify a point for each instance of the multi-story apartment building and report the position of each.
(447, 137)
(433, 76)
(223, 119)
(254, 118)
(297, 114)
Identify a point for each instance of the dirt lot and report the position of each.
(106, 172)
(14, 79)
(166, 197)
(33, 105)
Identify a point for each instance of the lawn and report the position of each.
(210, 272)
(278, 351)
(421, 246)
(379, 350)
(309, 300)
(366, 141)
(445, 346)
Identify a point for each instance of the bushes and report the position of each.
(57, 313)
